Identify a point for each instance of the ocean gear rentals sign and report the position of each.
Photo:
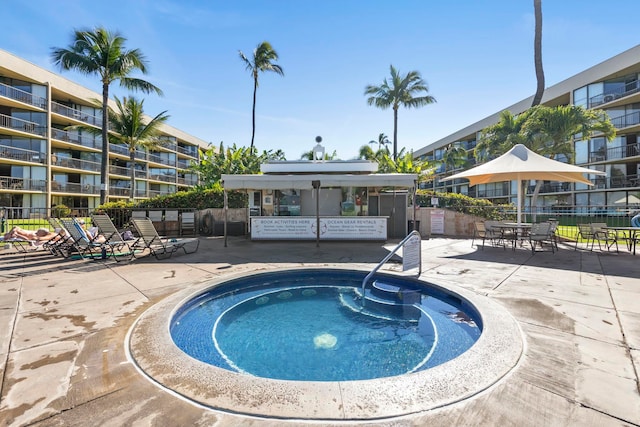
(331, 228)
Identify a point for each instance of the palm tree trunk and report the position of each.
(132, 173)
(253, 122)
(104, 162)
(395, 133)
(537, 52)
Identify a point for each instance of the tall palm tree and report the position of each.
(382, 141)
(101, 52)
(262, 60)
(537, 53)
(399, 91)
(130, 128)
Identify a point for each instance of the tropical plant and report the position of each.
(262, 60)
(498, 138)
(399, 91)
(101, 52)
(454, 157)
(130, 128)
(537, 53)
(231, 160)
(405, 163)
(382, 142)
(309, 155)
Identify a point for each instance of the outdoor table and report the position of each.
(631, 236)
(518, 231)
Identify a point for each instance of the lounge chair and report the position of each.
(159, 247)
(113, 239)
(80, 242)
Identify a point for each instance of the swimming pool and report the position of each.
(154, 353)
(312, 326)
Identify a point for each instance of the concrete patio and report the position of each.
(63, 327)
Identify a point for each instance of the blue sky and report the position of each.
(476, 56)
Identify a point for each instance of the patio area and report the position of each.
(64, 324)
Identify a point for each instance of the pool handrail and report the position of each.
(387, 258)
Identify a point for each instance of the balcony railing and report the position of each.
(184, 164)
(119, 170)
(627, 120)
(189, 151)
(87, 140)
(66, 162)
(119, 191)
(162, 160)
(22, 96)
(163, 177)
(629, 89)
(63, 110)
(22, 184)
(75, 188)
(22, 155)
(22, 125)
(614, 153)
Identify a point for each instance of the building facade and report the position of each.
(43, 163)
(612, 86)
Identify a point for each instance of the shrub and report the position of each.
(465, 204)
(60, 211)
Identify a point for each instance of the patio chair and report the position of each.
(554, 232)
(541, 232)
(480, 231)
(159, 247)
(585, 232)
(600, 233)
(119, 248)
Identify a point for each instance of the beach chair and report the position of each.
(119, 248)
(60, 245)
(159, 247)
(80, 241)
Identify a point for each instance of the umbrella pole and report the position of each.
(519, 209)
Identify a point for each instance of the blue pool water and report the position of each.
(309, 325)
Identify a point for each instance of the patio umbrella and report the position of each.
(519, 164)
(629, 200)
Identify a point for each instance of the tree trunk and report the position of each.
(253, 117)
(132, 172)
(537, 53)
(104, 162)
(534, 198)
(395, 133)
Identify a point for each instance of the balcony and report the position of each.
(87, 140)
(631, 119)
(119, 170)
(604, 98)
(22, 125)
(71, 163)
(119, 192)
(161, 160)
(75, 188)
(191, 151)
(74, 114)
(22, 155)
(22, 184)
(615, 153)
(163, 177)
(22, 96)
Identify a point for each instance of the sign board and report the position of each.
(434, 201)
(331, 228)
(411, 253)
(437, 221)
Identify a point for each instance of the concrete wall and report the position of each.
(456, 224)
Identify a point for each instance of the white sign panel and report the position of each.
(411, 253)
(331, 228)
(437, 221)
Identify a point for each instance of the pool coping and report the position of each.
(494, 355)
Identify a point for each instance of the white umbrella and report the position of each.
(629, 200)
(520, 164)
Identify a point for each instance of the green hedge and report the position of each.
(465, 204)
(194, 199)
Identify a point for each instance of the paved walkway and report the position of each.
(63, 326)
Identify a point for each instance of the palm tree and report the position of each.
(537, 53)
(454, 157)
(129, 128)
(262, 60)
(400, 91)
(498, 138)
(382, 142)
(100, 52)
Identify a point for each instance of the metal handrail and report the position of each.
(387, 258)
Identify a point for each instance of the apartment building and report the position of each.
(613, 86)
(43, 163)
